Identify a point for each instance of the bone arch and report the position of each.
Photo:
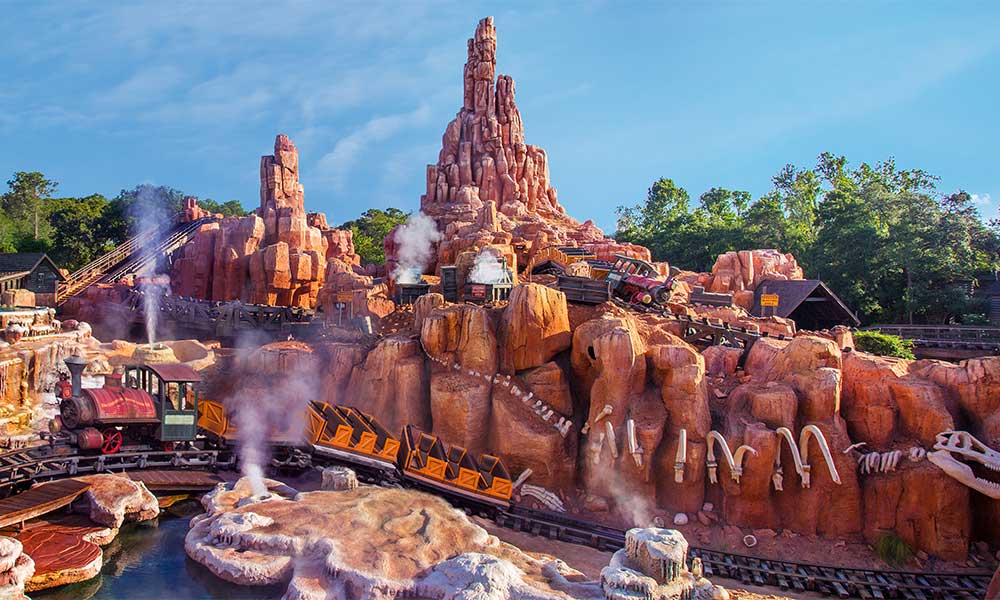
(735, 461)
(800, 453)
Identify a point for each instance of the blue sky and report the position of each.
(104, 96)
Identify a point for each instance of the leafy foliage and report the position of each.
(370, 229)
(24, 204)
(885, 241)
(231, 208)
(883, 344)
(892, 549)
(75, 231)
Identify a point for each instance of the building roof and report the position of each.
(794, 292)
(18, 262)
(174, 372)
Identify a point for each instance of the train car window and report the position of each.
(190, 399)
(173, 395)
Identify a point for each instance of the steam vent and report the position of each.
(653, 566)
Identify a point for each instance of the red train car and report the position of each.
(155, 404)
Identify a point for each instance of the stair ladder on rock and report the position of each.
(130, 258)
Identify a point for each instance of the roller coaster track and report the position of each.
(701, 331)
(131, 257)
(842, 582)
(20, 469)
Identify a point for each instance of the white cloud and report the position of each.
(981, 199)
(335, 166)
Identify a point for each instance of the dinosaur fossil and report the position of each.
(956, 452)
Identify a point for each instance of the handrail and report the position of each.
(101, 268)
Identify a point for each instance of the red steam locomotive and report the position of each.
(146, 406)
(636, 281)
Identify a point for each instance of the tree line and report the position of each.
(75, 231)
(884, 239)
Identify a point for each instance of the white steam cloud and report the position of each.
(151, 221)
(269, 407)
(415, 241)
(487, 268)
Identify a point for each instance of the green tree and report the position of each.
(369, 231)
(25, 201)
(883, 238)
(77, 233)
(231, 208)
(142, 207)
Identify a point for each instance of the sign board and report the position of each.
(345, 297)
(340, 306)
(478, 291)
(768, 300)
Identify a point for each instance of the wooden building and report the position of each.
(32, 271)
(808, 302)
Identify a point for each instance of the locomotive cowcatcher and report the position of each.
(145, 405)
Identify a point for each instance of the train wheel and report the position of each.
(112, 441)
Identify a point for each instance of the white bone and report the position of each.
(633, 443)
(611, 438)
(854, 447)
(735, 463)
(525, 474)
(680, 458)
(813, 431)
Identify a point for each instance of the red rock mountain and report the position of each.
(277, 255)
(489, 186)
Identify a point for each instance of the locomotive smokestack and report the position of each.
(75, 364)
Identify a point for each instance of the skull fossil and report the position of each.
(956, 452)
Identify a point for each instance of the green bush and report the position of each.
(876, 342)
(892, 549)
(974, 319)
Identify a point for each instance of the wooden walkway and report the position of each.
(40, 500)
(177, 481)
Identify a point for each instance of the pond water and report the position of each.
(147, 561)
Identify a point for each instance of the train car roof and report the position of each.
(174, 372)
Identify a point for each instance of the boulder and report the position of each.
(16, 568)
(115, 499)
(534, 328)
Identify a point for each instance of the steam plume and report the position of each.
(415, 240)
(151, 220)
(487, 268)
(266, 406)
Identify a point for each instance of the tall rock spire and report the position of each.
(485, 169)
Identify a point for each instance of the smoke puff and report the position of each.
(488, 268)
(415, 241)
(151, 221)
(266, 406)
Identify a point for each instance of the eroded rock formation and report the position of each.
(489, 186)
(278, 255)
(610, 411)
(400, 543)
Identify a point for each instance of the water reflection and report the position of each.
(147, 561)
